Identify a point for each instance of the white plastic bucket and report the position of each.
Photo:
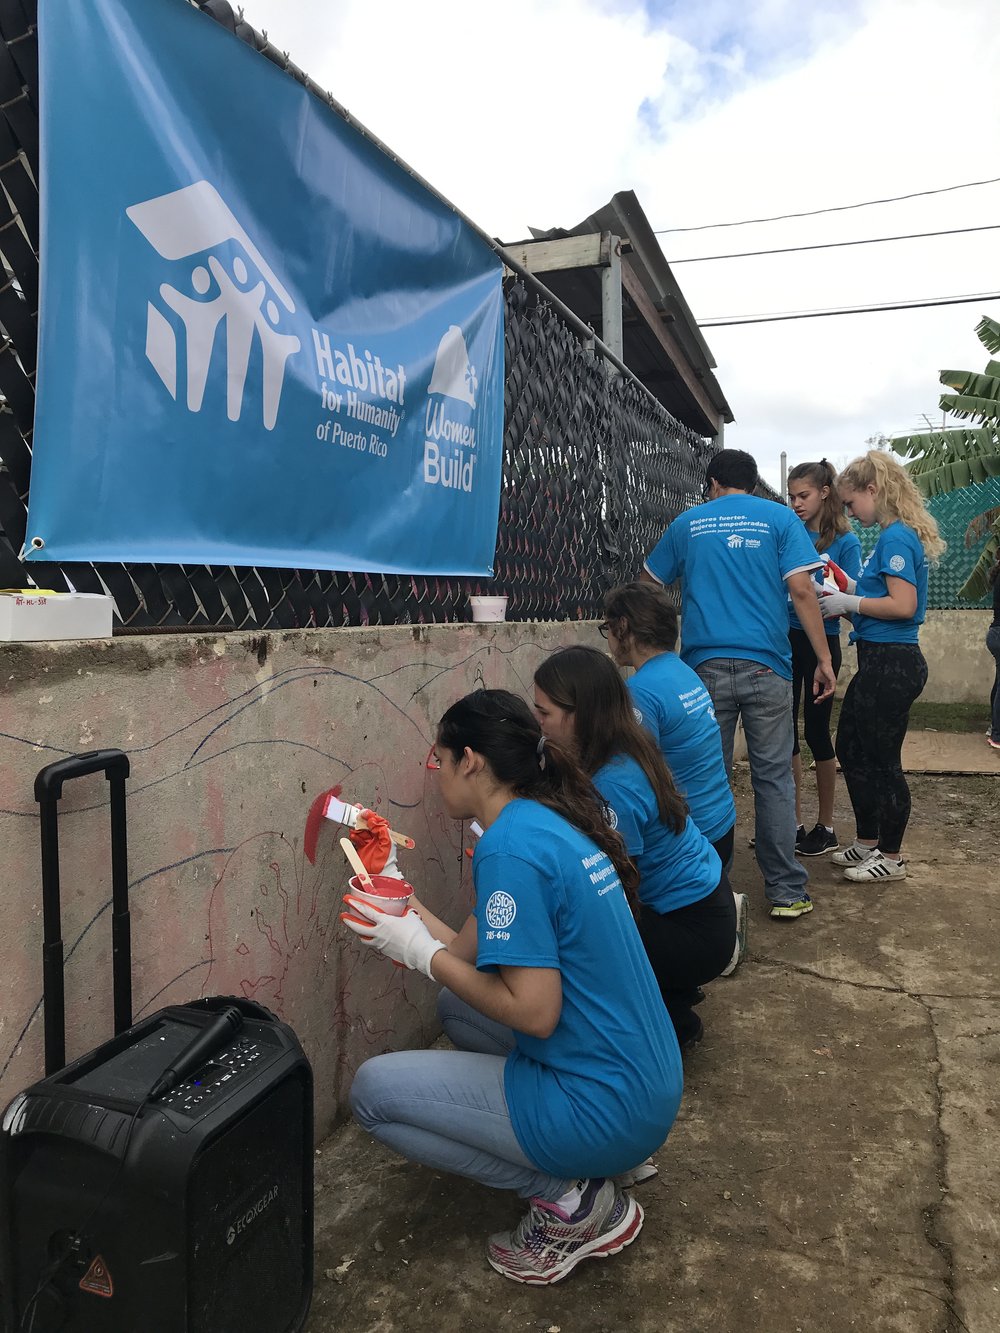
(488, 608)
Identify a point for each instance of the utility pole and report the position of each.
(784, 474)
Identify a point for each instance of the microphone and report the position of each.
(197, 1051)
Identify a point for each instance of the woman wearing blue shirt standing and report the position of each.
(569, 1071)
(687, 916)
(812, 494)
(887, 606)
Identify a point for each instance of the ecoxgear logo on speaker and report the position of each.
(246, 1219)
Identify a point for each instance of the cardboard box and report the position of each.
(31, 614)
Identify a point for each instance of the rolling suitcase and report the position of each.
(161, 1183)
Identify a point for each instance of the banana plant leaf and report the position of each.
(964, 405)
(988, 333)
(977, 585)
(981, 525)
(968, 383)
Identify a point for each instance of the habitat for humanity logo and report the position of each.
(450, 437)
(188, 223)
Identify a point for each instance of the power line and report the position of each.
(839, 208)
(834, 245)
(716, 323)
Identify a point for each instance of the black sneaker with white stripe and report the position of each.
(819, 840)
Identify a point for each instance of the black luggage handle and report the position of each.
(48, 791)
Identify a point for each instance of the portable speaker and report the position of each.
(163, 1182)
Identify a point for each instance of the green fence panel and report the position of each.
(953, 513)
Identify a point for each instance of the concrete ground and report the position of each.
(836, 1162)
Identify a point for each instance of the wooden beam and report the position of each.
(568, 252)
(641, 300)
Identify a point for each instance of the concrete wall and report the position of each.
(230, 738)
(959, 667)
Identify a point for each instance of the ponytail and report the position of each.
(502, 728)
(830, 520)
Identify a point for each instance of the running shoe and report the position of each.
(876, 868)
(742, 921)
(546, 1246)
(781, 911)
(853, 855)
(994, 745)
(819, 840)
(689, 1043)
(638, 1175)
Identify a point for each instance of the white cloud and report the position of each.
(537, 113)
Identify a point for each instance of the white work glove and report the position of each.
(405, 939)
(834, 604)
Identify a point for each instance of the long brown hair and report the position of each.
(831, 519)
(587, 683)
(502, 728)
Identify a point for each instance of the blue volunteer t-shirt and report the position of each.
(601, 1092)
(732, 556)
(845, 551)
(672, 703)
(675, 869)
(899, 554)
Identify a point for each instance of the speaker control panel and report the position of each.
(227, 1069)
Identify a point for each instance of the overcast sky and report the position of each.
(535, 113)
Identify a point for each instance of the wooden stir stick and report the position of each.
(357, 865)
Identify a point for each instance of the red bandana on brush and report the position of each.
(373, 843)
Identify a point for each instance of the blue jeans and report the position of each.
(742, 688)
(993, 644)
(447, 1109)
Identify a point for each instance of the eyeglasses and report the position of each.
(433, 762)
(603, 628)
(706, 488)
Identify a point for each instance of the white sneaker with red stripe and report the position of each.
(546, 1245)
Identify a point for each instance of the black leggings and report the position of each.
(870, 736)
(687, 948)
(815, 717)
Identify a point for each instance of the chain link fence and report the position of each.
(953, 513)
(593, 469)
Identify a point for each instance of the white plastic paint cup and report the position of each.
(488, 608)
(390, 895)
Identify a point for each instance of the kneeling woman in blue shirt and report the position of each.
(687, 917)
(569, 1070)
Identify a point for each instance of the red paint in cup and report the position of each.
(387, 893)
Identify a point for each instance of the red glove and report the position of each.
(840, 576)
(373, 844)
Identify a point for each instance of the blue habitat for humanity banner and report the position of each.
(261, 341)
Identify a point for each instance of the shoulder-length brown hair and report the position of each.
(587, 683)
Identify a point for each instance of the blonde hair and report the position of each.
(896, 496)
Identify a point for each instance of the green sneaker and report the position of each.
(780, 910)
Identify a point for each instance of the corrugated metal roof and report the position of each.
(666, 374)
